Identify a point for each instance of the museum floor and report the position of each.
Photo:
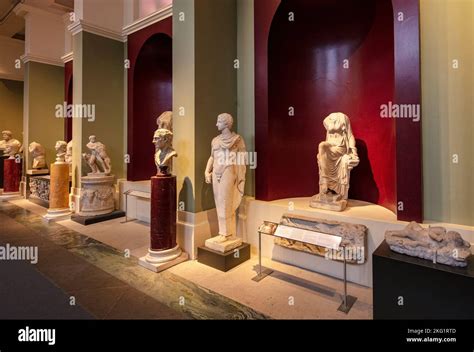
(90, 263)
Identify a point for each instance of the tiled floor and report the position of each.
(81, 260)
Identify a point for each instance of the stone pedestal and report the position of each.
(2, 158)
(59, 192)
(223, 244)
(97, 195)
(164, 252)
(333, 202)
(11, 176)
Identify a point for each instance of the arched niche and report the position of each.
(150, 94)
(336, 56)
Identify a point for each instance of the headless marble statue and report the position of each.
(38, 153)
(337, 156)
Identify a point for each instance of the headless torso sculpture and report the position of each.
(228, 181)
(337, 156)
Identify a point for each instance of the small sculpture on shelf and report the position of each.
(38, 153)
(337, 156)
(98, 160)
(432, 243)
(164, 152)
(7, 141)
(61, 149)
(226, 172)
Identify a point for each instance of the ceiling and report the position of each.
(12, 25)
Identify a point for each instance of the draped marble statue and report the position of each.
(226, 171)
(337, 156)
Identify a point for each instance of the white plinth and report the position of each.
(158, 261)
(37, 172)
(57, 214)
(218, 245)
(6, 196)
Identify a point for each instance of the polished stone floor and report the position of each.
(101, 281)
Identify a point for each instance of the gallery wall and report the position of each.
(447, 34)
(44, 90)
(11, 107)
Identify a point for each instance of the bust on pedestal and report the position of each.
(59, 186)
(337, 156)
(164, 251)
(226, 171)
(97, 188)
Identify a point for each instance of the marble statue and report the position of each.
(69, 153)
(61, 149)
(432, 243)
(337, 156)
(9, 140)
(98, 160)
(165, 121)
(164, 152)
(38, 153)
(227, 177)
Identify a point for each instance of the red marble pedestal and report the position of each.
(163, 213)
(164, 251)
(11, 176)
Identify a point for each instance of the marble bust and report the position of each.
(227, 176)
(337, 156)
(38, 153)
(61, 149)
(164, 152)
(98, 160)
(12, 148)
(7, 139)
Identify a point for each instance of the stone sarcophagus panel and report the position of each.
(97, 195)
(353, 238)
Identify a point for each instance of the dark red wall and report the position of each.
(300, 64)
(68, 98)
(149, 93)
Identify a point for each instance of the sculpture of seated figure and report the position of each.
(337, 156)
(164, 151)
(98, 160)
(38, 153)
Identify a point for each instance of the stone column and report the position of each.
(59, 192)
(11, 177)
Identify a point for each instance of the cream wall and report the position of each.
(184, 98)
(11, 50)
(246, 82)
(447, 34)
(44, 89)
(11, 107)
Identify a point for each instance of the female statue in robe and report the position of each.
(337, 156)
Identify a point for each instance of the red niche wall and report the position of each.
(334, 57)
(149, 93)
(68, 99)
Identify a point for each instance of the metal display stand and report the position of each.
(348, 301)
(136, 194)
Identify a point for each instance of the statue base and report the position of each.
(97, 195)
(37, 172)
(328, 202)
(58, 214)
(223, 244)
(162, 260)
